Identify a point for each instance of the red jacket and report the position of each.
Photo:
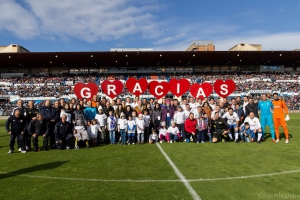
(190, 125)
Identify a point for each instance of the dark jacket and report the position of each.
(35, 126)
(219, 124)
(241, 114)
(154, 117)
(61, 130)
(30, 113)
(251, 108)
(22, 110)
(16, 125)
(78, 114)
(106, 110)
(50, 113)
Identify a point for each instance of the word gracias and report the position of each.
(157, 89)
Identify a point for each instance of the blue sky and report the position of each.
(171, 25)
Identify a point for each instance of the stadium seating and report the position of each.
(58, 86)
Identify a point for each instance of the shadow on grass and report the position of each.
(4, 135)
(281, 135)
(35, 168)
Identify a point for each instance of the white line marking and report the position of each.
(85, 179)
(179, 174)
(150, 181)
(294, 126)
(244, 177)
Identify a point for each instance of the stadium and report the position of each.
(130, 173)
(127, 99)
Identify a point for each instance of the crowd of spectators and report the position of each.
(63, 84)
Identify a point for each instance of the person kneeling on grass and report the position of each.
(246, 133)
(190, 126)
(153, 137)
(162, 131)
(93, 131)
(254, 126)
(63, 133)
(173, 133)
(220, 128)
(39, 127)
(80, 133)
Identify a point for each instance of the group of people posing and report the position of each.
(82, 123)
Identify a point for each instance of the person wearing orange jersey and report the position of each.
(280, 109)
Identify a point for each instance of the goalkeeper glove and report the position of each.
(287, 118)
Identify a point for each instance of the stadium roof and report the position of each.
(151, 58)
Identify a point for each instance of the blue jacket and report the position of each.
(90, 113)
(265, 107)
(50, 113)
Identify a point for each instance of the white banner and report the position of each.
(260, 91)
(69, 83)
(286, 81)
(267, 79)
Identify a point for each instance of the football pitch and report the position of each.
(158, 171)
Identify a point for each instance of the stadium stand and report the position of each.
(39, 87)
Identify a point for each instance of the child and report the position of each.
(153, 137)
(134, 117)
(93, 131)
(111, 127)
(131, 128)
(247, 134)
(101, 119)
(122, 128)
(173, 132)
(162, 131)
(147, 120)
(80, 134)
(180, 118)
(140, 124)
(202, 127)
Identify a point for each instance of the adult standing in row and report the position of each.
(16, 126)
(31, 113)
(51, 115)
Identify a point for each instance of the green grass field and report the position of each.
(214, 171)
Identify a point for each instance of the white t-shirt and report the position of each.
(140, 123)
(213, 113)
(154, 137)
(194, 106)
(180, 117)
(130, 125)
(122, 123)
(101, 118)
(231, 119)
(93, 130)
(113, 126)
(133, 105)
(254, 123)
(187, 113)
(163, 131)
(212, 106)
(172, 130)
